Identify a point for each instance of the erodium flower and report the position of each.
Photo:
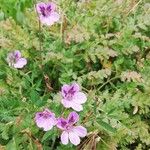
(15, 60)
(72, 97)
(47, 13)
(45, 120)
(69, 130)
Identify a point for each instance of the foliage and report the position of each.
(101, 44)
(14, 9)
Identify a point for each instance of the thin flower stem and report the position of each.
(89, 114)
(61, 29)
(86, 90)
(40, 38)
(107, 82)
(53, 144)
(63, 111)
(34, 139)
(105, 143)
(40, 28)
(134, 7)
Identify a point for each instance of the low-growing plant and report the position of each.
(75, 75)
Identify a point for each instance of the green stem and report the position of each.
(107, 82)
(40, 38)
(40, 27)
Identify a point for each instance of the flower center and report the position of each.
(16, 58)
(45, 115)
(68, 127)
(13, 58)
(69, 95)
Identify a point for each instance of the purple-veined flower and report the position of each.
(72, 97)
(15, 60)
(45, 119)
(47, 13)
(71, 132)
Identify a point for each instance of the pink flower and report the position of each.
(45, 120)
(70, 131)
(47, 13)
(72, 97)
(15, 60)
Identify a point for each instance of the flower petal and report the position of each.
(77, 107)
(64, 138)
(79, 98)
(76, 87)
(17, 54)
(66, 103)
(46, 124)
(44, 19)
(10, 58)
(54, 17)
(61, 123)
(64, 89)
(74, 138)
(51, 6)
(39, 6)
(20, 63)
(73, 118)
(80, 131)
(49, 20)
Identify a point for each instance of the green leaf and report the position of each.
(20, 17)
(34, 96)
(12, 145)
(47, 135)
(2, 15)
(5, 134)
(106, 126)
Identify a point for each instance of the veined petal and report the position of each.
(61, 123)
(80, 131)
(64, 138)
(73, 118)
(17, 54)
(74, 138)
(76, 87)
(79, 98)
(64, 90)
(39, 6)
(51, 6)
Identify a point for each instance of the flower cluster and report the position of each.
(48, 16)
(72, 97)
